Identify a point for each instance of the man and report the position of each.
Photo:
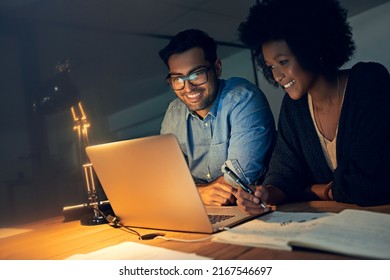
(216, 121)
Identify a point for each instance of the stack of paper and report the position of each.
(136, 251)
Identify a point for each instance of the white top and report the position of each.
(328, 147)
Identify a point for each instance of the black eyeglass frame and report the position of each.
(206, 70)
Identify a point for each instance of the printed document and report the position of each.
(352, 232)
(272, 231)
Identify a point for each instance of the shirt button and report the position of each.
(206, 124)
(208, 175)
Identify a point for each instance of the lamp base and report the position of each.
(85, 213)
(92, 220)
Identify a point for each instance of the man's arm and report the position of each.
(252, 136)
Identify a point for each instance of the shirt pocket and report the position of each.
(217, 156)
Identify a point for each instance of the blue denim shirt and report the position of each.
(238, 131)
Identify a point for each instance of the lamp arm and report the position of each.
(81, 126)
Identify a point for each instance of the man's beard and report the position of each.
(203, 104)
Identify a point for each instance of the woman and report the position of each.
(333, 130)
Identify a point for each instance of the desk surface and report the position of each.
(54, 239)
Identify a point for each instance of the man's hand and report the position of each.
(217, 193)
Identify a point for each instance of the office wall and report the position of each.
(371, 34)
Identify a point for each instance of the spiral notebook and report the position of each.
(149, 185)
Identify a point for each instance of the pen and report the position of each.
(241, 184)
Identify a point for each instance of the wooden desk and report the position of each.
(54, 239)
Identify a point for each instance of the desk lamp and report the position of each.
(58, 94)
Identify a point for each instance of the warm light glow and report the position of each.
(75, 118)
(83, 115)
(81, 125)
(89, 177)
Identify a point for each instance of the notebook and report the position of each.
(149, 185)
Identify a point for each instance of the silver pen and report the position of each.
(241, 184)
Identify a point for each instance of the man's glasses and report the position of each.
(196, 78)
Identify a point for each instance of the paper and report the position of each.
(136, 251)
(273, 230)
(7, 232)
(352, 232)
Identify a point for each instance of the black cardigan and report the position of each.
(363, 152)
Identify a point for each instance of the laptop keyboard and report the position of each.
(219, 218)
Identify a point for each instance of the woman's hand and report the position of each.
(250, 203)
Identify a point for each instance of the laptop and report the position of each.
(149, 185)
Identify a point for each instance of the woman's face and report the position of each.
(286, 69)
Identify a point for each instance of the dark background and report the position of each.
(113, 48)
